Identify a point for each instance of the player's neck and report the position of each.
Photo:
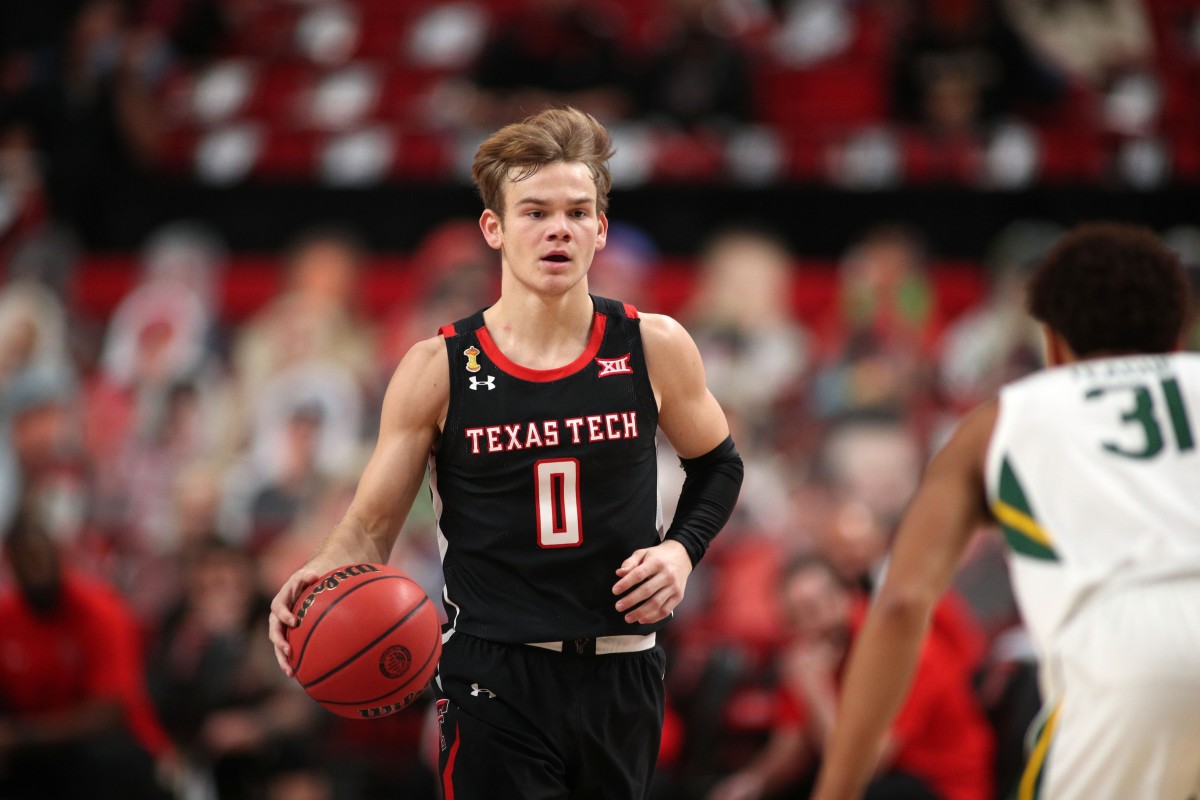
(1056, 351)
(541, 332)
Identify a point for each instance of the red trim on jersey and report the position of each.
(599, 323)
(448, 772)
(630, 311)
(447, 330)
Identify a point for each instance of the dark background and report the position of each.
(817, 221)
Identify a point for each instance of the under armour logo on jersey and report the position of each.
(614, 366)
(472, 354)
(477, 691)
(489, 382)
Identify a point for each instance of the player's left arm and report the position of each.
(652, 580)
(948, 508)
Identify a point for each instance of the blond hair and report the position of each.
(519, 150)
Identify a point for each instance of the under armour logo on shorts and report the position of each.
(477, 690)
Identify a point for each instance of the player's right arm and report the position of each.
(949, 506)
(414, 409)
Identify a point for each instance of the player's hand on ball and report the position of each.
(282, 617)
(652, 581)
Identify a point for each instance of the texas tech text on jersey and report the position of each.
(579, 430)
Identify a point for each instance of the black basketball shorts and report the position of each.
(518, 721)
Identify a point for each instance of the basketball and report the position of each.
(367, 642)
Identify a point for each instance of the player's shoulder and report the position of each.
(420, 385)
(1185, 359)
(662, 332)
(424, 367)
(426, 355)
(968, 444)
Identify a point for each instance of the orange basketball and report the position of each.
(368, 640)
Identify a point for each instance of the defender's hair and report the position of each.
(1111, 288)
(519, 150)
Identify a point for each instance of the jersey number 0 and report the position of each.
(556, 494)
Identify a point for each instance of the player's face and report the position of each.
(550, 230)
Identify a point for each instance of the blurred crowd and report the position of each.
(166, 464)
(988, 93)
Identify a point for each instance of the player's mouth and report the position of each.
(556, 258)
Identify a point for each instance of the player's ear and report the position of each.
(602, 232)
(492, 227)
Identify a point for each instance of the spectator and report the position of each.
(75, 719)
(554, 52)
(959, 66)
(1092, 41)
(94, 116)
(997, 342)
(52, 475)
(33, 331)
(189, 253)
(754, 349)
(154, 406)
(307, 435)
(878, 340)
(195, 29)
(854, 542)
(47, 256)
(456, 273)
(940, 745)
(216, 686)
(625, 267)
(22, 192)
(698, 76)
(315, 317)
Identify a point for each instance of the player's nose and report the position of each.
(558, 228)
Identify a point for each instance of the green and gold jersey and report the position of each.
(1093, 472)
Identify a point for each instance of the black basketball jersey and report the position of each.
(544, 481)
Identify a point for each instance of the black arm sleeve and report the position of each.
(709, 494)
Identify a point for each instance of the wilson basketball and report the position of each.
(368, 641)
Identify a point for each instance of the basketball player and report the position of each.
(537, 420)
(1092, 470)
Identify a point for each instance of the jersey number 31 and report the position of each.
(1143, 413)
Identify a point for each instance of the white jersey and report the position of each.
(1093, 472)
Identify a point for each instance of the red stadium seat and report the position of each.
(837, 95)
(279, 91)
(288, 154)
(1072, 156)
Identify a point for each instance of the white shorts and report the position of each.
(1122, 688)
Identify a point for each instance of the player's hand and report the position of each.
(652, 581)
(282, 617)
